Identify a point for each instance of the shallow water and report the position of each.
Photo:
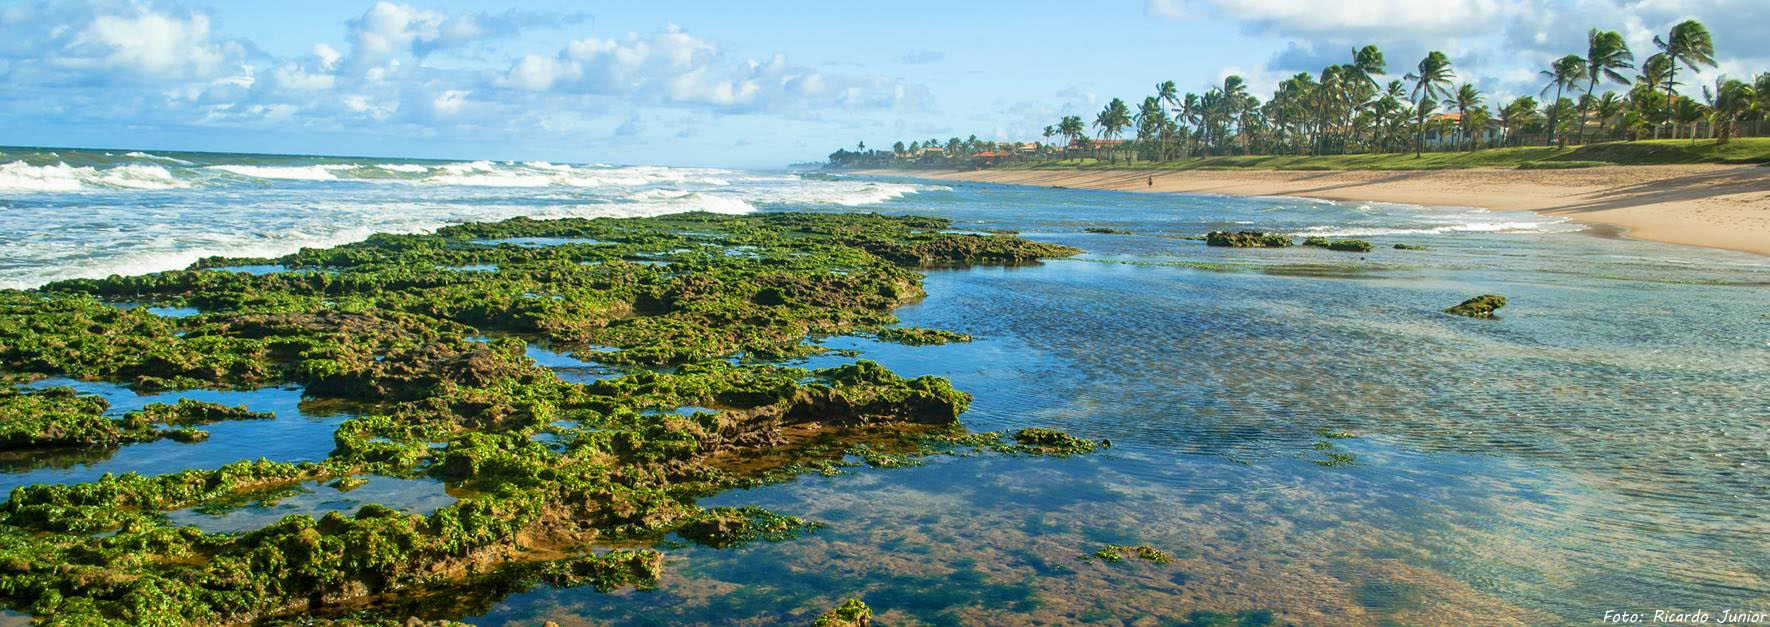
(1303, 429)
(1600, 446)
(300, 432)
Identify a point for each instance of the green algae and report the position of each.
(851, 613)
(59, 417)
(921, 337)
(1114, 553)
(1106, 230)
(1247, 239)
(1482, 306)
(1343, 245)
(726, 527)
(387, 324)
(1409, 247)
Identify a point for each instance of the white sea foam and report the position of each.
(18, 176)
(407, 168)
(1545, 226)
(288, 173)
(143, 155)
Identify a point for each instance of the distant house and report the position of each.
(1445, 131)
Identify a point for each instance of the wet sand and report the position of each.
(1715, 206)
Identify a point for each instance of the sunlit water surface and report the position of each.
(1601, 446)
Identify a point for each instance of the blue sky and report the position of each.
(724, 83)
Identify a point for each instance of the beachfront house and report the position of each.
(1444, 131)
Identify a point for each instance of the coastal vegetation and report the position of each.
(1600, 105)
(561, 481)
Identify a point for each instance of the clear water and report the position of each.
(1601, 446)
(300, 432)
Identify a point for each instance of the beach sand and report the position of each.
(1716, 206)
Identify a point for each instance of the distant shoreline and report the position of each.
(1712, 206)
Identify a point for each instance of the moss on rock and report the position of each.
(1247, 239)
(1482, 306)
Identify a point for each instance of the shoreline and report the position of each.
(1710, 206)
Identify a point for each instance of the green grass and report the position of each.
(1657, 152)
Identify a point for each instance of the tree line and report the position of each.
(1601, 94)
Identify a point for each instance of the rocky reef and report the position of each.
(1247, 239)
(1343, 245)
(566, 483)
(1482, 306)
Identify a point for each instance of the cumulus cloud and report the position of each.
(112, 41)
(675, 67)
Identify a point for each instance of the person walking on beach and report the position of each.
(1152, 181)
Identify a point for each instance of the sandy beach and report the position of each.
(1716, 206)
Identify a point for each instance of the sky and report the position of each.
(744, 84)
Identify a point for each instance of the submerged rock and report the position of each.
(1409, 247)
(1247, 239)
(1482, 306)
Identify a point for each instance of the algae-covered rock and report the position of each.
(1247, 239)
(921, 337)
(852, 613)
(682, 312)
(725, 527)
(1106, 230)
(1409, 247)
(1482, 306)
(1344, 245)
(1113, 553)
(1049, 442)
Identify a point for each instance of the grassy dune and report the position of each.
(1658, 152)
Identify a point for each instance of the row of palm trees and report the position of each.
(1346, 108)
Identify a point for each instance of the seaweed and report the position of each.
(1113, 553)
(386, 323)
(851, 613)
(1344, 245)
(1482, 306)
(1247, 239)
(921, 337)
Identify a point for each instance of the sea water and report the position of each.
(1303, 429)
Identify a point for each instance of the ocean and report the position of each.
(1303, 429)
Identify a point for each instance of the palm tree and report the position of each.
(1111, 120)
(1367, 63)
(1466, 98)
(1071, 128)
(1608, 106)
(1168, 94)
(1326, 93)
(1150, 118)
(1432, 79)
(1563, 73)
(1606, 52)
(1516, 115)
(1690, 44)
(1475, 124)
(1732, 100)
(1687, 113)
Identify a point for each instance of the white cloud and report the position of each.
(675, 67)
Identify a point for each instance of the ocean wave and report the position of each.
(322, 172)
(1544, 226)
(841, 193)
(403, 168)
(154, 157)
(18, 176)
